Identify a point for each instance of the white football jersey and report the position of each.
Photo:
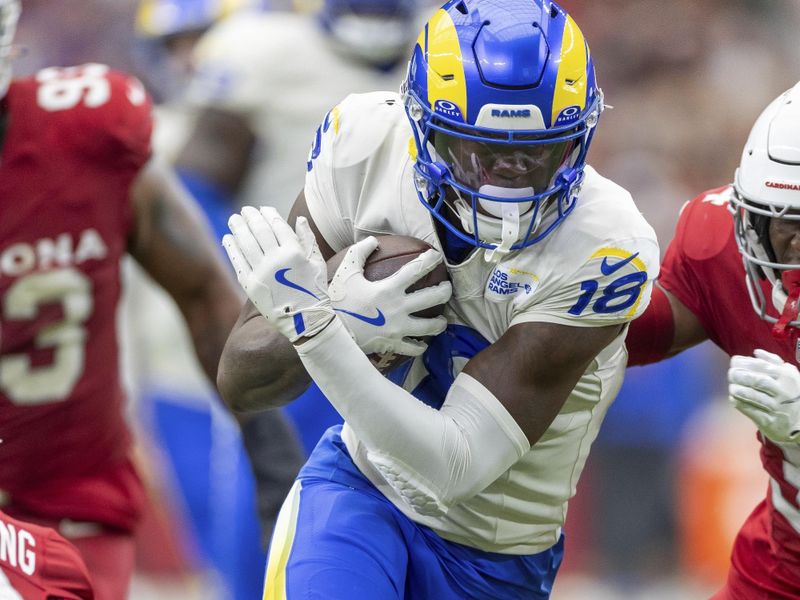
(281, 73)
(596, 268)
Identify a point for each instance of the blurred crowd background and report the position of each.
(675, 470)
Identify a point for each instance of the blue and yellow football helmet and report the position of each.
(166, 33)
(164, 18)
(503, 102)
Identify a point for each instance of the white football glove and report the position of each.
(378, 314)
(767, 390)
(282, 272)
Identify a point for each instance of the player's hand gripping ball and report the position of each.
(390, 292)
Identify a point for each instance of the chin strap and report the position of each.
(510, 214)
(509, 232)
(503, 220)
(791, 283)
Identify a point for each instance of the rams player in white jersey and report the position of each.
(450, 478)
(264, 79)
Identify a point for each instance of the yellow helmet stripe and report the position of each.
(144, 18)
(412, 148)
(228, 6)
(446, 79)
(572, 79)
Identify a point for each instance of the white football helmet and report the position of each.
(767, 185)
(9, 15)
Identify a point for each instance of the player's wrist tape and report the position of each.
(432, 459)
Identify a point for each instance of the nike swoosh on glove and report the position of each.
(353, 296)
(281, 271)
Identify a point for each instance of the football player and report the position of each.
(165, 367)
(450, 478)
(263, 80)
(78, 192)
(167, 32)
(705, 292)
(36, 563)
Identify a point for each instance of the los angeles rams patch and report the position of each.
(508, 282)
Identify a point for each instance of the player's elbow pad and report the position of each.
(470, 442)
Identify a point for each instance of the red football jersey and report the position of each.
(75, 140)
(703, 269)
(36, 563)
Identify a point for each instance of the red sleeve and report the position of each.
(126, 124)
(92, 111)
(695, 257)
(123, 124)
(115, 127)
(116, 132)
(132, 126)
(677, 276)
(694, 263)
(650, 336)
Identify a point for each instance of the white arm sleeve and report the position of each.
(433, 459)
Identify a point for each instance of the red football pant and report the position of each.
(763, 562)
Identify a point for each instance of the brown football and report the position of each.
(393, 252)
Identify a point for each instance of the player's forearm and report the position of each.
(210, 315)
(259, 368)
(434, 459)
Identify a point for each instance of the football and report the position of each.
(393, 252)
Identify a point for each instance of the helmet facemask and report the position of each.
(751, 228)
(503, 102)
(509, 188)
(9, 15)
